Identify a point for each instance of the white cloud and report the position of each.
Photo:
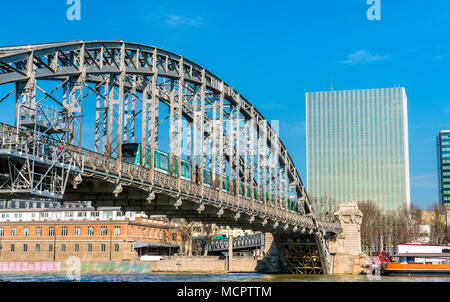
(175, 21)
(362, 56)
(425, 181)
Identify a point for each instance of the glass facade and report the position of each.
(357, 148)
(443, 140)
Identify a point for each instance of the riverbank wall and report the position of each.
(177, 264)
(208, 264)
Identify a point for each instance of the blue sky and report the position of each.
(273, 52)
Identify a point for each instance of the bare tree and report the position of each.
(187, 230)
(383, 230)
(369, 225)
(438, 224)
(208, 230)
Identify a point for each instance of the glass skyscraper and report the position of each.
(443, 142)
(357, 148)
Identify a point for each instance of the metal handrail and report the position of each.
(44, 147)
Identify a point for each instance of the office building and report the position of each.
(91, 235)
(357, 148)
(443, 150)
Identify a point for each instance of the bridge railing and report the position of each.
(249, 241)
(45, 148)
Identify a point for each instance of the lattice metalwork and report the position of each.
(206, 121)
(300, 253)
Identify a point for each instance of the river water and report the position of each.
(250, 277)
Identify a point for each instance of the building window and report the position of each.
(103, 248)
(26, 230)
(2, 232)
(13, 231)
(38, 231)
(104, 231)
(13, 247)
(69, 214)
(63, 248)
(51, 231)
(77, 231)
(117, 231)
(143, 233)
(77, 247)
(89, 247)
(174, 237)
(108, 214)
(116, 247)
(95, 214)
(17, 215)
(91, 231)
(38, 247)
(25, 247)
(64, 231)
(81, 214)
(50, 248)
(5, 215)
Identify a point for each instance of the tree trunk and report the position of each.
(205, 252)
(190, 246)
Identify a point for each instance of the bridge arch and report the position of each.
(139, 91)
(134, 73)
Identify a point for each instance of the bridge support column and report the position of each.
(347, 246)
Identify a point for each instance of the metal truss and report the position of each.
(210, 124)
(300, 253)
(255, 241)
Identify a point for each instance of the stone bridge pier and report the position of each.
(345, 248)
(298, 254)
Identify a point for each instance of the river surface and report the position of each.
(251, 277)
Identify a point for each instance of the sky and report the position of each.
(273, 52)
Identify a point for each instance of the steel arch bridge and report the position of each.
(168, 137)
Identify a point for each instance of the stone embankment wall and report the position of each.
(209, 264)
(195, 264)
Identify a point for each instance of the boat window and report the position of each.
(410, 260)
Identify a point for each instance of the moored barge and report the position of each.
(419, 259)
